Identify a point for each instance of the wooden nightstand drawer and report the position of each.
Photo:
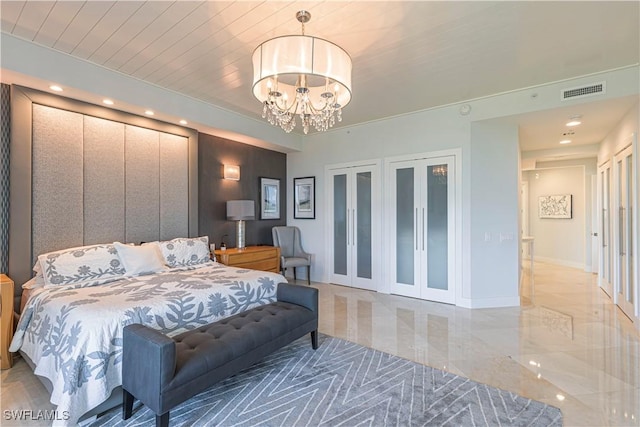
(265, 258)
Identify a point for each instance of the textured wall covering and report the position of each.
(214, 191)
(5, 140)
(69, 170)
(142, 182)
(103, 181)
(57, 214)
(97, 181)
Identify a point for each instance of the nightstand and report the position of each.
(265, 258)
(6, 320)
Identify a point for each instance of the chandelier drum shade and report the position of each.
(304, 76)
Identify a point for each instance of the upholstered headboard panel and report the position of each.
(82, 174)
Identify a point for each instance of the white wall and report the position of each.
(562, 241)
(619, 136)
(488, 141)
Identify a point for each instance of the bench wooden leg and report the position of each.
(162, 420)
(127, 404)
(314, 340)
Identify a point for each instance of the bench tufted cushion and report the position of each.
(163, 372)
(208, 354)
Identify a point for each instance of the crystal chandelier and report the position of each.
(301, 76)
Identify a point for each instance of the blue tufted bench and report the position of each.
(163, 372)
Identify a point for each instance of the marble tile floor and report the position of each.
(566, 345)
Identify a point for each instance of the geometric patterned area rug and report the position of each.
(345, 384)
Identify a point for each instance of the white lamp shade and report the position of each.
(285, 58)
(240, 210)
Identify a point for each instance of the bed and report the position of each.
(71, 326)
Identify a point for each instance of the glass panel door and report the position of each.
(422, 228)
(354, 225)
(606, 245)
(436, 227)
(625, 232)
(405, 225)
(340, 229)
(363, 226)
(438, 230)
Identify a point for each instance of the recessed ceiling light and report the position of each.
(56, 88)
(183, 122)
(574, 120)
(107, 101)
(565, 141)
(149, 113)
(560, 397)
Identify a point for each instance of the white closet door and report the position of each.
(437, 230)
(605, 271)
(422, 228)
(355, 225)
(404, 238)
(339, 228)
(625, 232)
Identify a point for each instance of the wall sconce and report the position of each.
(232, 172)
(240, 210)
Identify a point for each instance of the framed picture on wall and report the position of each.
(269, 198)
(304, 197)
(555, 206)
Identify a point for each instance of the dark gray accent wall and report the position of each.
(214, 191)
(5, 144)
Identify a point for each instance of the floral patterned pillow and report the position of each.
(82, 266)
(184, 252)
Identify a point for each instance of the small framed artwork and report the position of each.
(304, 197)
(555, 206)
(269, 198)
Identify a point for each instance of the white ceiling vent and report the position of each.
(583, 91)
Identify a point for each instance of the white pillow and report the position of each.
(34, 283)
(146, 259)
(185, 252)
(81, 266)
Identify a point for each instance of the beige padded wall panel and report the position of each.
(103, 181)
(174, 186)
(57, 210)
(142, 200)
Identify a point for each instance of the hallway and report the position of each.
(568, 345)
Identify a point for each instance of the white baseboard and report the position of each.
(561, 262)
(488, 302)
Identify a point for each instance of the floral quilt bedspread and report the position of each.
(74, 335)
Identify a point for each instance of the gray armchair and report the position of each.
(291, 252)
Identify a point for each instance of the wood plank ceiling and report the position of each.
(407, 56)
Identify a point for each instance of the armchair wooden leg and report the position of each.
(294, 273)
(308, 275)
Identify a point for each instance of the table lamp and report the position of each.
(240, 210)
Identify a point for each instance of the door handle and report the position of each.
(353, 226)
(423, 231)
(415, 220)
(621, 230)
(347, 222)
